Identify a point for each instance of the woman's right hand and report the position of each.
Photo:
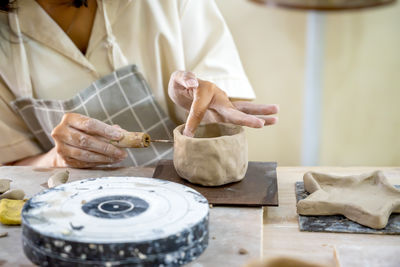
(83, 142)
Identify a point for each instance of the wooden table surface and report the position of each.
(235, 228)
(230, 229)
(281, 235)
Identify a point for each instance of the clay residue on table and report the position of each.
(43, 169)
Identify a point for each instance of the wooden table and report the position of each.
(282, 236)
(230, 228)
(235, 228)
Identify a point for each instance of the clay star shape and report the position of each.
(367, 199)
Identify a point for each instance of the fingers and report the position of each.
(260, 110)
(186, 79)
(70, 162)
(198, 96)
(256, 109)
(181, 88)
(79, 158)
(268, 120)
(202, 99)
(237, 117)
(108, 140)
(81, 140)
(92, 126)
(83, 155)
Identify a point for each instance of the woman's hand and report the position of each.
(83, 142)
(205, 100)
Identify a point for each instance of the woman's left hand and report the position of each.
(205, 100)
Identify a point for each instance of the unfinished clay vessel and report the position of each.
(367, 199)
(216, 155)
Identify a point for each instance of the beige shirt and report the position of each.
(159, 36)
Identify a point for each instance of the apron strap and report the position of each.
(23, 84)
(115, 55)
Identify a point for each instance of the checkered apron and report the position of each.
(122, 97)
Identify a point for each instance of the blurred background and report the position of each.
(360, 114)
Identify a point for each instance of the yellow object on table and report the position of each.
(10, 211)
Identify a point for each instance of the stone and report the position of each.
(16, 194)
(4, 185)
(58, 178)
(243, 251)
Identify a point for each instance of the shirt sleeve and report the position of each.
(16, 141)
(209, 49)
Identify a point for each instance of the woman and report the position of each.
(54, 49)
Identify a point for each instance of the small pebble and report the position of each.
(243, 251)
(58, 243)
(4, 234)
(58, 178)
(67, 248)
(66, 232)
(16, 194)
(142, 256)
(4, 185)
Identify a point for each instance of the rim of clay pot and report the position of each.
(178, 131)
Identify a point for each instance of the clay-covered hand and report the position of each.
(205, 100)
(83, 142)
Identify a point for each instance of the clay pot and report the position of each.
(216, 155)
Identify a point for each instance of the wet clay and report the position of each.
(16, 194)
(58, 178)
(4, 185)
(367, 199)
(216, 155)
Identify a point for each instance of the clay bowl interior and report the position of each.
(215, 130)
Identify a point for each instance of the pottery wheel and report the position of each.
(124, 221)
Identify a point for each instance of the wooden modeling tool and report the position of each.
(137, 140)
(162, 141)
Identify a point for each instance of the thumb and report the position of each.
(183, 80)
(187, 79)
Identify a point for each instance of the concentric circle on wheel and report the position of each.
(115, 221)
